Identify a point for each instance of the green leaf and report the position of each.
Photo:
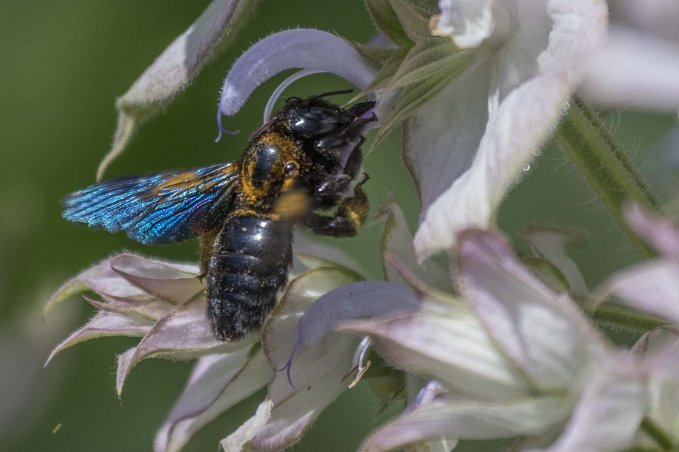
(383, 76)
(376, 56)
(421, 86)
(413, 19)
(406, 102)
(387, 21)
(437, 61)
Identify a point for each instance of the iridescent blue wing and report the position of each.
(158, 208)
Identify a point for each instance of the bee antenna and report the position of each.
(332, 93)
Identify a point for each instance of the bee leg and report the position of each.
(350, 217)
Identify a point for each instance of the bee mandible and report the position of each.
(304, 166)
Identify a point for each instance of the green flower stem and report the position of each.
(658, 434)
(588, 143)
(626, 319)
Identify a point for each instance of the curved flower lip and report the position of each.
(302, 48)
(352, 302)
(359, 300)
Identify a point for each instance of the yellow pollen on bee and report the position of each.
(292, 204)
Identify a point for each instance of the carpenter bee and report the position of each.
(304, 166)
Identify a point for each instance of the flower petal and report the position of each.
(544, 333)
(652, 287)
(185, 333)
(353, 301)
(313, 254)
(470, 143)
(661, 234)
(445, 342)
(174, 70)
(317, 372)
(244, 434)
(124, 365)
(105, 324)
(148, 309)
(660, 353)
(291, 49)
(609, 412)
(100, 278)
(635, 69)
(551, 244)
(217, 383)
(173, 282)
(468, 420)
(397, 243)
(467, 22)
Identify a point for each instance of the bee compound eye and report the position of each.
(290, 167)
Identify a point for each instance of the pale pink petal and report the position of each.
(217, 383)
(105, 324)
(443, 341)
(551, 244)
(165, 280)
(313, 254)
(651, 287)
(544, 333)
(354, 301)
(398, 251)
(609, 411)
(662, 234)
(658, 17)
(185, 333)
(317, 374)
(100, 278)
(124, 364)
(468, 420)
(661, 362)
(634, 70)
(244, 434)
(152, 309)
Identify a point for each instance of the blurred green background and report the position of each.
(62, 64)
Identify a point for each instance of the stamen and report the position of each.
(221, 128)
(360, 363)
(268, 109)
(288, 365)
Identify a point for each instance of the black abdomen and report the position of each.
(249, 264)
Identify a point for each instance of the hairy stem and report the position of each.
(588, 143)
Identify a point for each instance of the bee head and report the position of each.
(331, 133)
(314, 117)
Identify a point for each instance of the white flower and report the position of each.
(163, 303)
(511, 357)
(468, 145)
(639, 66)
